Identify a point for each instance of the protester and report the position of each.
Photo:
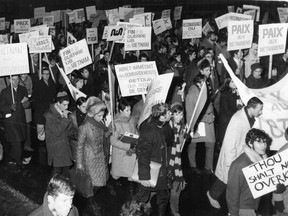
(13, 105)
(240, 123)
(238, 195)
(152, 147)
(93, 147)
(251, 58)
(237, 65)
(58, 198)
(57, 126)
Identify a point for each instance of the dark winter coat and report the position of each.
(57, 142)
(43, 96)
(43, 210)
(152, 147)
(15, 129)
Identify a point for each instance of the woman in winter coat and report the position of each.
(93, 145)
(123, 154)
(77, 118)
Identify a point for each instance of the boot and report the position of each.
(162, 210)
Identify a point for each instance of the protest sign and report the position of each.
(123, 11)
(168, 23)
(138, 20)
(40, 44)
(2, 24)
(139, 10)
(112, 11)
(57, 15)
(177, 13)
(21, 25)
(105, 32)
(42, 29)
(283, 14)
(135, 77)
(159, 26)
(115, 33)
(39, 12)
(263, 176)
(239, 10)
(156, 93)
(71, 17)
(206, 28)
(240, 34)
(70, 39)
(92, 35)
(147, 18)
(272, 39)
(126, 26)
(49, 21)
(128, 14)
(192, 28)
(79, 15)
(231, 8)
(274, 119)
(251, 13)
(24, 38)
(166, 14)
(222, 21)
(252, 7)
(75, 56)
(14, 59)
(90, 10)
(113, 19)
(138, 38)
(4, 39)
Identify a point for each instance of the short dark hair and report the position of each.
(123, 103)
(143, 55)
(257, 135)
(176, 108)
(198, 78)
(60, 184)
(253, 102)
(80, 101)
(159, 109)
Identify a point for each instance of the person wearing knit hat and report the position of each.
(92, 151)
(56, 129)
(255, 80)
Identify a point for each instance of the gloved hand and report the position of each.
(13, 107)
(280, 188)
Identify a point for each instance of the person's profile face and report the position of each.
(258, 110)
(259, 147)
(126, 112)
(82, 107)
(64, 105)
(61, 204)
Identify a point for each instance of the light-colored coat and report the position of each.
(122, 164)
(233, 143)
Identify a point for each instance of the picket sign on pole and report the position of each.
(11, 37)
(93, 58)
(33, 69)
(110, 87)
(40, 66)
(270, 66)
(143, 98)
(12, 92)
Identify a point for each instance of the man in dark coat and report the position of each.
(15, 119)
(56, 129)
(152, 147)
(58, 199)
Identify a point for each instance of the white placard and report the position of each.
(8, 55)
(24, 38)
(138, 20)
(240, 34)
(139, 10)
(156, 93)
(251, 13)
(135, 77)
(283, 14)
(192, 28)
(42, 29)
(147, 18)
(177, 13)
(166, 14)
(90, 10)
(40, 44)
(206, 28)
(168, 23)
(79, 15)
(263, 176)
(2, 24)
(39, 12)
(253, 7)
(115, 33)
(138, 38)
(105, 32)
(49, 21)
(75, 56)
(272, 39)
(222, 21)
(21, 25)
(126, 26)
(92, 35)
(159, 26)
(57, 15)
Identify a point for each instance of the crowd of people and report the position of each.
(79, 133)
